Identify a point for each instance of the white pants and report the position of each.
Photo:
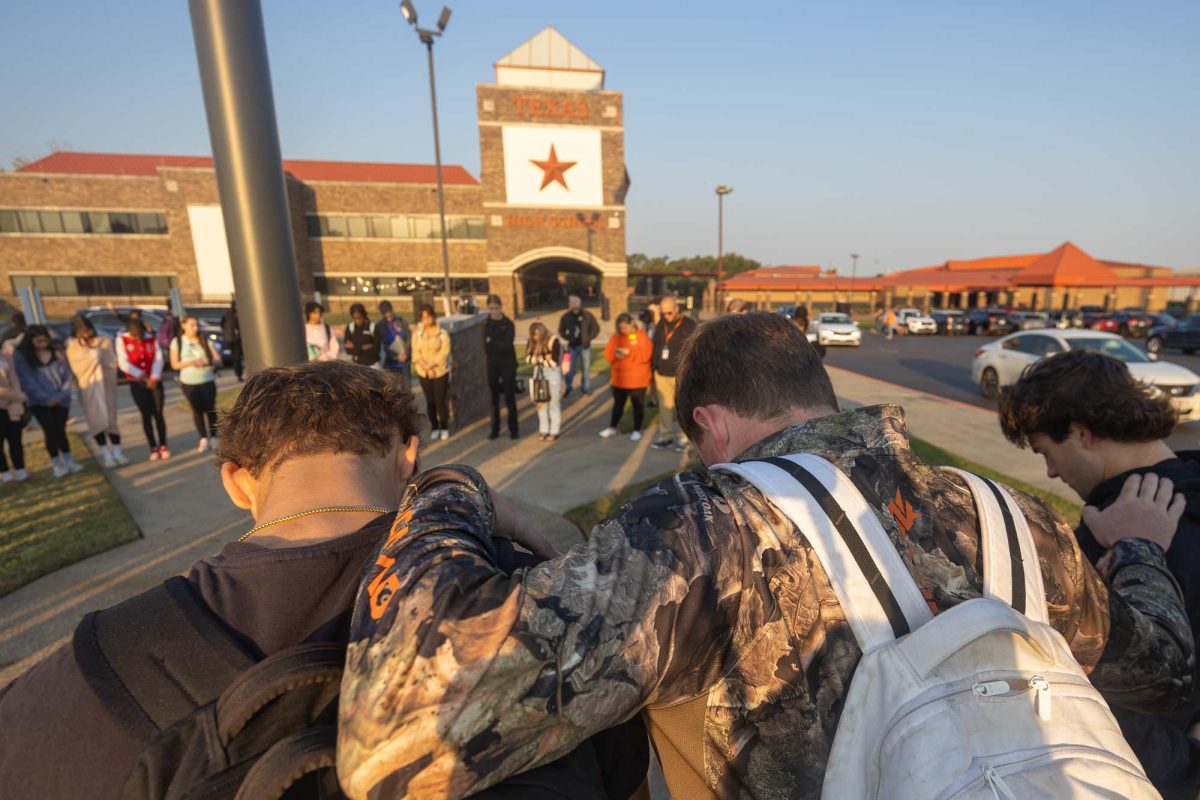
(550, 414)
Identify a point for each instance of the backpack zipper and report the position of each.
(988, 772)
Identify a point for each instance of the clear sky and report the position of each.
(908, 132)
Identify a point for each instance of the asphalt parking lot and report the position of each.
(941, 365)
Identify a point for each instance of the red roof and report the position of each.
(1066, 265)
(347, 171)
(785, 271)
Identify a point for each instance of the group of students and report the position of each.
(738, 613)
(36, 379)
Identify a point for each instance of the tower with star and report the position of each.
(553, 178)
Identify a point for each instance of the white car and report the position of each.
(1000, 363)
(915, 321)
(835, 329)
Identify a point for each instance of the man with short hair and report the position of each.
(670, 337)
(698, 603)
(578, 327)
(321, 455)
(1096, 426)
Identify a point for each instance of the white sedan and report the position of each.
(1000, 363)
(835, 329)
(915, 321)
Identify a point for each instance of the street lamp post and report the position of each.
(722, 190)
(426, 37)
(853, 282)
(590, 224)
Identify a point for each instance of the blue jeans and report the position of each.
(581, 361)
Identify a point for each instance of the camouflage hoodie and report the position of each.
(698, 604)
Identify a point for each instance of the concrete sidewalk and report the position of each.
(965, 430)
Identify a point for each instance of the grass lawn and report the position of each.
(587, 515)
(47, 523)
(599, 364)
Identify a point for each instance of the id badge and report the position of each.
(666, 354)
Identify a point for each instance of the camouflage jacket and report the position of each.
(700, 605)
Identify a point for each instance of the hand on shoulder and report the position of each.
(1147, 508)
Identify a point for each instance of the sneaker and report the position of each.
(60, 470)
(74, 466)
(607, 432)
(493, 436)
(21, 475)
(212, 443)
(109, 462)
(7, 477)
(121, 460)
(155, 455)
(662, 444)
(553, 437)
(164, 452)
(636, 436)
(543, 436)
(445, 434)
(514, 435)
(203, 444)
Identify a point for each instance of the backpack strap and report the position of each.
(1011, 572)
(881, 600)
(157, 657)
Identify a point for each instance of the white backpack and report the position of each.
(982, 701)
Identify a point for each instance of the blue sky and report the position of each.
(907, 132)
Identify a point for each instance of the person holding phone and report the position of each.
(630, 352)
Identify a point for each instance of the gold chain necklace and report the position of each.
(330, 510)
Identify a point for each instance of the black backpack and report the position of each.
(220, 723)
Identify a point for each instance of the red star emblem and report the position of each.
(553, 170)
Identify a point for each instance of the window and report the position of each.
(121, 222)
(74, 222)
(9, 223)
(1116, 347)
(399, 226)
(381, 227)
(314, 226)
(1037, 345)
(151, 223)
(31, 221)
(98, 222)
(334, 226)
(424, 227)
(51, 221)
(96, 285)
(357, 227)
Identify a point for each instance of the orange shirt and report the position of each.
(632, 371)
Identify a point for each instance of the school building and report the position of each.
(1063, 278)
(545, 218)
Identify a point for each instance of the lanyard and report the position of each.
(671, 332)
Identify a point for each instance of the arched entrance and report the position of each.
(546, 283)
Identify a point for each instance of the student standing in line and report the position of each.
(544, 351)
(93, 361)
(669, 338)
(231, 329)
(322, 344)
(431, 360)
(362, 340)
(46, 380)
(630, 353)
(140, 358)
(578, 327)
(499, 332)
(10, 340)
(12, 421)
(394, 341)
(193, 358)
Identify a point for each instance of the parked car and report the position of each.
(1000, 363)
(1134, 324)
(832, 328)
(1162, 320)
(1105, 323)
(989, 321)
(1029, 320)
(950, 322)
(913, 321)
(1068, 318)
(110, 324)
(1185, 336)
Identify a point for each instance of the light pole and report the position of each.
(853, 281)
(426, 37)
(722, 190)
(590, 224)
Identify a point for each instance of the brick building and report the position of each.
(87, 228)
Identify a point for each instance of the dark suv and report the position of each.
(990, 321)
(1184, 336)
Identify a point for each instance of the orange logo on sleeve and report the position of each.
(903, 512)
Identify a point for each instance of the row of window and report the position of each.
(85, 285)
(15, 220)
(394, 226)
(358, 286)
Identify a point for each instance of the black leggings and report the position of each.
(437, 401)
(54, 425)
(202, 397)
(637, 397)
(10, 431)
(503, 381)
(150, 403)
